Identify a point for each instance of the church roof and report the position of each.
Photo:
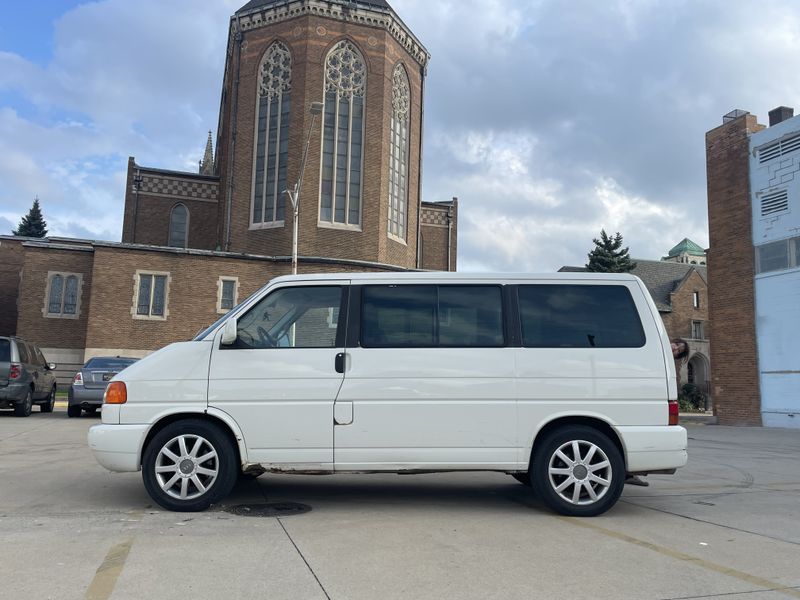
(260, 3)
(687, 246)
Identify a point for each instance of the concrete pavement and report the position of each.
(726, 526)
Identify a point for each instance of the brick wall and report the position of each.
(439, 224)
(679, 321)
(158, 193)
(32, 323)
(192, 293)
(309, 39)
(11, 260)
(734, 362)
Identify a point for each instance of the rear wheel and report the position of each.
(48, 405)
(24, 408)
(189, 465)
(74, 410)
(578, 471)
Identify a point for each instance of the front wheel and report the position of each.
(189, 465)
(578, 471)
(48, 405)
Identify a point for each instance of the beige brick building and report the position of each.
(322, 97)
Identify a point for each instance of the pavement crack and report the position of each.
(731, 594)
(697, 520)
(322, 587)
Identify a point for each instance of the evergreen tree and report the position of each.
(608, 255)
(32, 224)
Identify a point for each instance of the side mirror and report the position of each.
(51, 366)
(229, 333)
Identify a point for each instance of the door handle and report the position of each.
(339, 363)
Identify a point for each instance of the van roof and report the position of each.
(460, 277)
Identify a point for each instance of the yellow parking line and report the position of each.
(700, 562)
(109, 571)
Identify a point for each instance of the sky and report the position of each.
(548, 120)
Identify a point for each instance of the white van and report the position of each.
(565, 381)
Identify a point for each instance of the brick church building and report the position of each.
(319, 97)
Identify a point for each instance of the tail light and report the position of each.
(116, 393)
(15, 371)
(78, 379)
(673, 412)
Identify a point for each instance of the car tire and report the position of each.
(172, 473)
(523, 478)
(50, 403)
(578, 471)
(24, 408)
(74, 410)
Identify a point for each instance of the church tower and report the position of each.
(340, 83)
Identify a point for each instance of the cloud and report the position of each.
(549, 121)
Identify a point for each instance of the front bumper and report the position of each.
(650, 449)
(85, 396)
(117, 447)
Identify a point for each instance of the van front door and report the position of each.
(279, 380)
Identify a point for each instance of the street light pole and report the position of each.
(294, 193)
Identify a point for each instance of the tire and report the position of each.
(48, 405)
(25, 408)
(585, 487)
(523, 478)
(175, 486)
(74, 411)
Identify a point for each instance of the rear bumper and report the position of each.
(85, 397)
(117, 447)
(13, 393)
(649, 449)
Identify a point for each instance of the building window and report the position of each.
(778, 256)
(151, 295)
(179, 227)
(697, 330)
(696, 299)
(398, 159)
(272, 137)
(62, 298)
(343, 137)
(227, 293)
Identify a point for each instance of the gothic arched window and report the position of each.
(179, 227)
(272, 136)
(398, 159)
(343, 136)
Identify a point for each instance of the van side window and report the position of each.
(471, 316)
(294, 317)
(426, 316)
(579, 316)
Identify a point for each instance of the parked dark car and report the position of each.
(26, 378)
(90, 383)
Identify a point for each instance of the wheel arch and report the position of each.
(211, 415)
(593, 421)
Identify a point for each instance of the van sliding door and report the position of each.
(429, 381)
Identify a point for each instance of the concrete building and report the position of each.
(324, 97)
(754, 267)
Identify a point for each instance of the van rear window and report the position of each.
(5, 351)
(579, 316)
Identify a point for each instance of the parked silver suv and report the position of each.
(25, 377)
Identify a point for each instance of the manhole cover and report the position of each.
(274, 509)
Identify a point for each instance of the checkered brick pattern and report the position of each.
(434, 217)
(178, 188)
